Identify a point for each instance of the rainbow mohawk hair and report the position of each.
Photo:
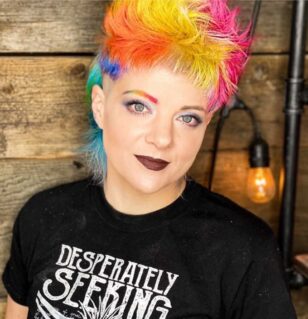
(200, 38)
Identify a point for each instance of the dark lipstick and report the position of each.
(154, 164)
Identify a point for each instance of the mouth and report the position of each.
(154, 164)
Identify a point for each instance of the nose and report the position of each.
(160, 133)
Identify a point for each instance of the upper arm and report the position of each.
(15, 274)
(15, 310)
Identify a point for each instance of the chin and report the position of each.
(148, 186)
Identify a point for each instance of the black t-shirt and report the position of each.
(203, 256)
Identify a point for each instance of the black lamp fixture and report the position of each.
(260, 185)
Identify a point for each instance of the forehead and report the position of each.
(161, 83)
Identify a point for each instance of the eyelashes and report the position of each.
(136, 107)
(187, 118)
(139, 108)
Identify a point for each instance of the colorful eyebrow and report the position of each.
(144, 94)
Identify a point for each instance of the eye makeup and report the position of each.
(195, 117)
(129, 105)
(143, 94)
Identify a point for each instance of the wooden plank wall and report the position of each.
(45, 49)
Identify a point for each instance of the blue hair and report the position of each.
(93, 139)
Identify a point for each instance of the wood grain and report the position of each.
(42, 106)
(299, 298)
(46, 26)
(2, 307)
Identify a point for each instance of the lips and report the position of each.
(154, 164)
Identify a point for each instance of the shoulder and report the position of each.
(51, 213)
(48, 207)
(59, 195)
(228, 222)
(63, 191)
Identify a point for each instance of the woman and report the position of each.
(138, 238)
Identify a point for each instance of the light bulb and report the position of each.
(260, 184)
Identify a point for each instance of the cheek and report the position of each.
(189, 147)
(120, 133)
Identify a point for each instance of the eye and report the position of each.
(137, 107)
(191, 120)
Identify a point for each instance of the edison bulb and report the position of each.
(260, 184)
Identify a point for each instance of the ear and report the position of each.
(98, 104)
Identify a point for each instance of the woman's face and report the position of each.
(150, 113)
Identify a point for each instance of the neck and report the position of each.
(124, 198)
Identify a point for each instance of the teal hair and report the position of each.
(93, 144)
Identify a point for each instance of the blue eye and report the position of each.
(191, 120)
(137, 107)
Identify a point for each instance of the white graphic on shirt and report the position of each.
(112, 288)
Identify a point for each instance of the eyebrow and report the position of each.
(143, 94)
(155, 100)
